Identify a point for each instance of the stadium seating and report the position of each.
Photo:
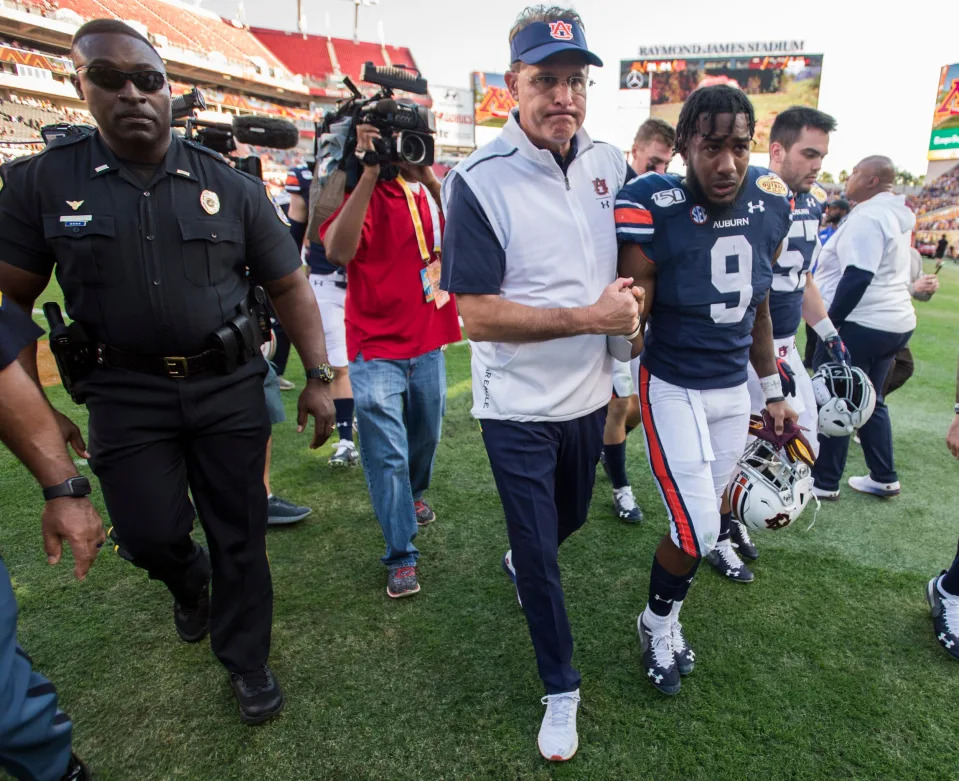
(308, 55)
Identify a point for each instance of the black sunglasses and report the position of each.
(113, 79)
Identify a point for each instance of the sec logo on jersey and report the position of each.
(698, 215)
(771, 183)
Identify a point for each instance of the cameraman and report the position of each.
(386, 233)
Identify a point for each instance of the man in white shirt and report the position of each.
(867, 267)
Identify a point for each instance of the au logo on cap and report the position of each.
(561, 31)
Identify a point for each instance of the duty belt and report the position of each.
(178, 367)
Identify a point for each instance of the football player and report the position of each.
(329, 287)
(702, 247)
(652, 150)
(798, 142)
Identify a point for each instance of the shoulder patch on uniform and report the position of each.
(664, 198)
(818, 193)
(771, 183)
(277, 208)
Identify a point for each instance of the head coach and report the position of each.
(530, 251)
(152, 238)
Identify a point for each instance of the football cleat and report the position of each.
(344, 454)
(739, 536)
(659, 659)
(945, 616)
(728, 564)
(625, 505)
(845, 396)
(685, 656)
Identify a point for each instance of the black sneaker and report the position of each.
(76, 770)
(739, 536)
(281, 512)
(258, 693)
(659, 660)
(945, 616)
(192, 623)
(685, 656)
(402, 582)
(424, 513)
(728, 564)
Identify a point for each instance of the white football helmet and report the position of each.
(845, 396)
(767, 490)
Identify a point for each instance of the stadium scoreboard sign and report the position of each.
(944, 140)
(775, 75)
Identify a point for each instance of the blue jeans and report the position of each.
(399, 412)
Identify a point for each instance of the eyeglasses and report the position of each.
(113, 79)
(545, 83)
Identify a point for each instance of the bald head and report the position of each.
(872, 175)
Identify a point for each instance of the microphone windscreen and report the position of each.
(266, 131)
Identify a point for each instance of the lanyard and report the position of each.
(418, 221)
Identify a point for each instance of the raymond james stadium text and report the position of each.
(748, 47)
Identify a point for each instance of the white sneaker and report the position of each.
(558, 740)
(826, 496)
(866, 485)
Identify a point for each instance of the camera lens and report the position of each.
(412, 149)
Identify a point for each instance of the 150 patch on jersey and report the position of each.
(665, 198)
(771, 183)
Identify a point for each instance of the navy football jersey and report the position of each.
(712, 271)
(798, 256)
(17, 330)
(298, 182)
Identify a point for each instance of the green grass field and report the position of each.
(825, 667)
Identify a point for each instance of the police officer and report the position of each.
(35, 735)
(151, 237)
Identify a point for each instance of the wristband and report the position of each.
(825, 329)
(637, 332)
(771, 386)
(775, 399)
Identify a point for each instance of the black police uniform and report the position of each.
(152, 263)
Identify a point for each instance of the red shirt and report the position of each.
(387, 316)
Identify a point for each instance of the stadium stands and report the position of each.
(318, 57)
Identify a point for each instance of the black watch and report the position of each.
(73, 486)
(322, 372)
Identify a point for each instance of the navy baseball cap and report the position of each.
(539, 40)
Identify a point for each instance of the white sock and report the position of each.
(674, 611)
(269, 496)
(658, 624)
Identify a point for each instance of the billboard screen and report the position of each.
(773, 83)
(944, 141)
(453, 107)
(491, 100)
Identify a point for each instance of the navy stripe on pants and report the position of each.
(544, 473)
(872, 351)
